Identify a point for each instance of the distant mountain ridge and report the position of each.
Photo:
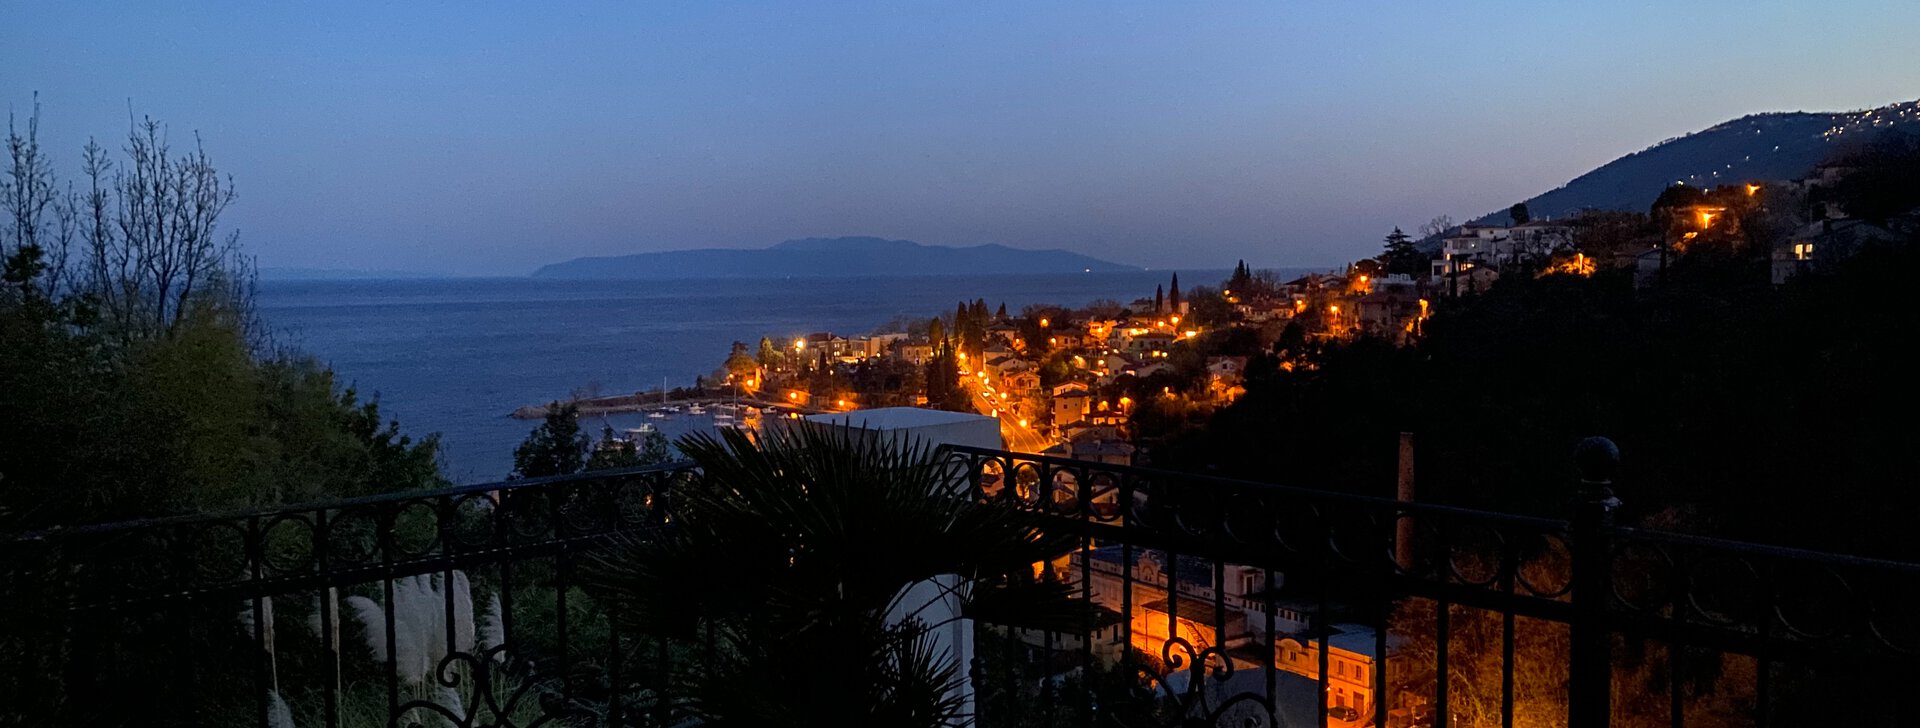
(821, 257)
(1771, 147)
(338, 274)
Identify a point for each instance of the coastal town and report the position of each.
(937, 365)
(1105, 381)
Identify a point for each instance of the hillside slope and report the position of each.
(1762, 147)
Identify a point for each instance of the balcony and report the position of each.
(1204, 602)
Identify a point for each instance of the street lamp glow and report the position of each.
(799, 344)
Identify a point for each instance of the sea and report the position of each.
(457, 356)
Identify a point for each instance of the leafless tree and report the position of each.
(40, 219)
(1103, 308)
(1436, 227)
(1536, 247)
(1267, 281)
(155, 253)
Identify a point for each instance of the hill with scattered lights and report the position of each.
(1770, 147)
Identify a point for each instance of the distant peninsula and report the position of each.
(822, 257)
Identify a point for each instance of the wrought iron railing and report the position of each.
(454, 606)
(1215, 602)
(1445, 616)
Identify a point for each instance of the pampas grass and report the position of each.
(420, 628)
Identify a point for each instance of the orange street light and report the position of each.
(1044, 323)
(1752, 190)
(799, 344)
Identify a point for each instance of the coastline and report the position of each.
(630, 403)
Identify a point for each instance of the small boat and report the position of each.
(645, 428)
(696, 410)
(723, 419)
(656, 415)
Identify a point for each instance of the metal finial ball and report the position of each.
(1597, 458)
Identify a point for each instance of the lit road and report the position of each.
(1018, 438)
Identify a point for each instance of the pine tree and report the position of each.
(739, 365)
(1173, 294)
(943, 381)
(1400, 256)
(770, 356)
(611, 452)
(555, 447)
(1159, 299)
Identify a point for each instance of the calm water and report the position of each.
(456, 356)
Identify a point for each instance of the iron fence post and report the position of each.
(1590, 634)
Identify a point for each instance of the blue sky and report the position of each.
(475, 138)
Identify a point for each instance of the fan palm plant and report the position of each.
(786, 567)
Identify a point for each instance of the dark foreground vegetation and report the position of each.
(1778, 413)
(134, 377)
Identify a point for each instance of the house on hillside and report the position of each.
(1226, 377)
(1070, 405)
(913, 352)
(1007, 333)
(1829, 239)
(1022, 383)
(1149, 343)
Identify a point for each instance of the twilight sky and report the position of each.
(483, 139)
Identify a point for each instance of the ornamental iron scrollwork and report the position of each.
(489, 689)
